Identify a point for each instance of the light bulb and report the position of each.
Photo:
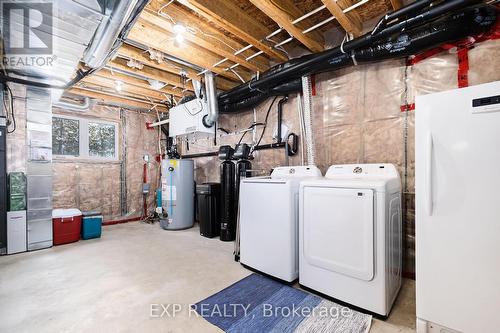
(179, 38)
(118, 85)
(179, 28)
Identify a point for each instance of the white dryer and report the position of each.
(350, 235)
(269, 221)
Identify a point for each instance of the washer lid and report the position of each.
(296, 172)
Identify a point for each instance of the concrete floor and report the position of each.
(109, 284)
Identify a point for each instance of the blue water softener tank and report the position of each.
(177, 178)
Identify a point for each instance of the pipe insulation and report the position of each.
(307, 113)
(446, 22)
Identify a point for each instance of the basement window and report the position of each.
(65, 136)
(83, 138)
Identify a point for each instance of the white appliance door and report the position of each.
(338, 230)
(268, 228)
(458, 210)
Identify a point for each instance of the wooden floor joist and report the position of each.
(351, 22)
(114, 75)
(153, 36)
(198, 38)
(131, 52)
(283, 19)
(104, 96)
(227, 15)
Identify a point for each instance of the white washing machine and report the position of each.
(350, 235)
(269, 221)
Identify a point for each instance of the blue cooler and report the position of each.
(91, 224)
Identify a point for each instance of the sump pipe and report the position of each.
(427, 30)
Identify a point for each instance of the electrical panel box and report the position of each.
(186, 120)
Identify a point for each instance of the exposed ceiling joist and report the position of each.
(283, 19)
(205, 35)
(351, 22)
(289, 7)
(131, 52)
(227, 15)
(151, 73)
(127, 88)
(159, 39)
(396, 4)
(108, 97)
(114, 75)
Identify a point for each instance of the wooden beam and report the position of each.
(106, 97)
(108, 73)
(396, 4)
(126, 89)
(159, 39)
(151, 73)
(289, 7)
(285, 20)
(181, 14)
(351, 22)
(227, 15)
(200, 38)
(130, 52)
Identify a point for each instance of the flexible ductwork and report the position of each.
(74, 106)
(111, 31)
(446, 22)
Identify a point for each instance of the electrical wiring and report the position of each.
(249, 128)
(13, 117)
(265, 123)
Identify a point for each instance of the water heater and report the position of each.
(177, 178)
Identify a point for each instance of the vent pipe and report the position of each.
(74, 106)
(213, 104)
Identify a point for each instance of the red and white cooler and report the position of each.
(66, 225)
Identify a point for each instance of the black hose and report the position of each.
(280, 116)
(396, 41)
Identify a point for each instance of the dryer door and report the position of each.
(338, 230)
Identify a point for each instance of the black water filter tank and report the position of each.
(228, 204)
(227, 180)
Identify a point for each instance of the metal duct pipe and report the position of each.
(402, 39)
(213, 105)
(107, 33)
(74, 106)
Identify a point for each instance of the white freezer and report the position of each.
(458, 210)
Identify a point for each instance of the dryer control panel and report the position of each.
(296, 171)
(362, 170)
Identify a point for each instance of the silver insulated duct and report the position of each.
(213, 104)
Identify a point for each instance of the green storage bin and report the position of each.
(17, 191)
(17, 202)
(17, 183)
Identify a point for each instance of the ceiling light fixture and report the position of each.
(179, 28)
(118, 85)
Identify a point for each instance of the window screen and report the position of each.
(65, 136)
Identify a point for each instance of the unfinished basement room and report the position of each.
(250, 166)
